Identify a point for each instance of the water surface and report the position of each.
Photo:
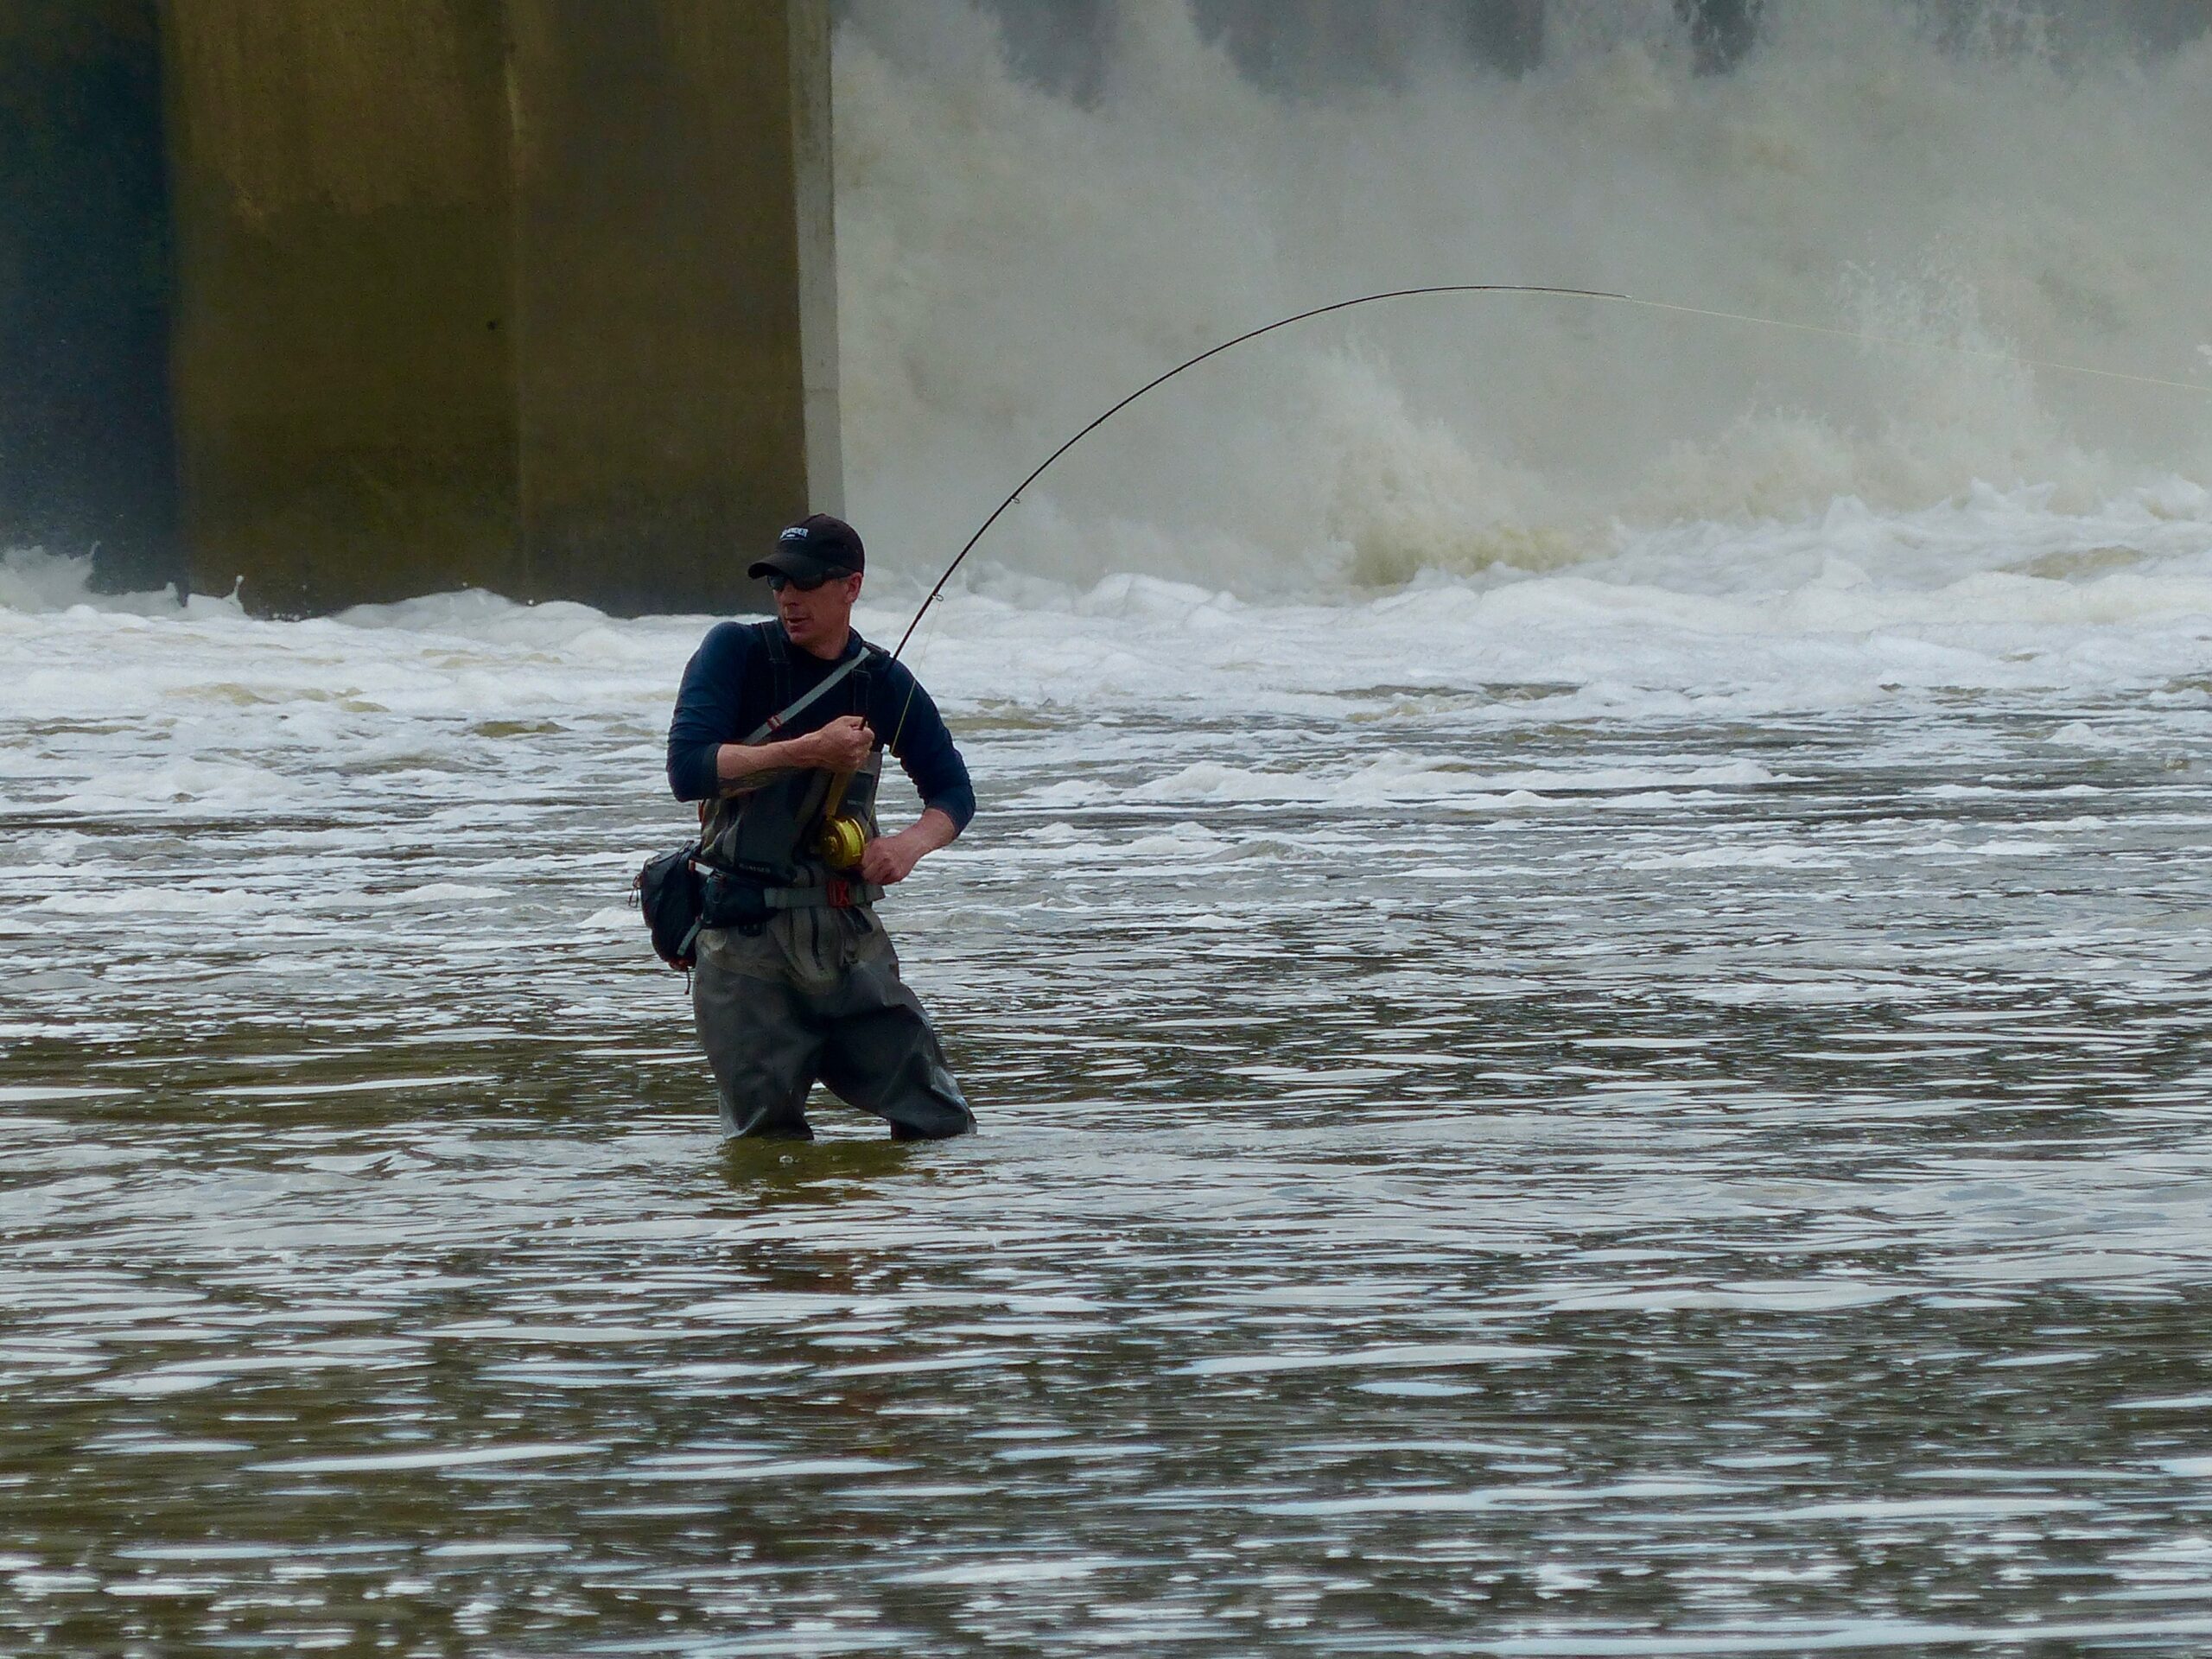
(1461, 1173)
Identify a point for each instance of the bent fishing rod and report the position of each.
(1507, 288)
(1192, 363)
(849, 845)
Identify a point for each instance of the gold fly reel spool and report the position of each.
(842, 843)
(842, 837)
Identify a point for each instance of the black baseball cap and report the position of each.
(817, 547)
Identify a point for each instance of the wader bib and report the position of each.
(796, 981)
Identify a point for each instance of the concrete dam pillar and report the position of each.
(533, 294)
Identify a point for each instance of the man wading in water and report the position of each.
(796, 979)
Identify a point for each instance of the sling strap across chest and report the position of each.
(780, 668)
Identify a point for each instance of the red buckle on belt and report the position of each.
(841, 894)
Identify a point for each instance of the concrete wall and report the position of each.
(498, 292)
(660, 295)
(344, 346)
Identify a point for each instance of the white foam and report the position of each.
(207, 713)
(156, 901)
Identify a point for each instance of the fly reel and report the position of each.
(842, 840)
(844, 837)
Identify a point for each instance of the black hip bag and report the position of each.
(671, 897)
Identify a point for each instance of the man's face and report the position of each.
(818, 621)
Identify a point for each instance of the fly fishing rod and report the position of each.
(1511, 288)
(844, 838)
(1161, 380)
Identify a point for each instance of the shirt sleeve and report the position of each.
(924, 747)
(707, 711)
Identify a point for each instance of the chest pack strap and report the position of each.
(772, 636)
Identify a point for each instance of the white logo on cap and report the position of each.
(796, 533)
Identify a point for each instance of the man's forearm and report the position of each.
(735, 762)
(934, 829)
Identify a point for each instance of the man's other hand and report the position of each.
(889, 860)
(841, 746)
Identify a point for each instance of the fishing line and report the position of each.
(1986, 353)
(1892, 340)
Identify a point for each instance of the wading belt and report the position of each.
(727, 900)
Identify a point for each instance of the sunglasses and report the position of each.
(777, 580)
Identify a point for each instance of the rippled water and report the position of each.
(1456, 1178)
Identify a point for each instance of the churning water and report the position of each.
(1642, 1098)
(1015, 260)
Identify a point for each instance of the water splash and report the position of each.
(1015, 258)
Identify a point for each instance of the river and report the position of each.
(1530, 1144)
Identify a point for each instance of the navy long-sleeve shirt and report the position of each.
(729, 689)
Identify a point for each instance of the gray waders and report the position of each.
(796, 982)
